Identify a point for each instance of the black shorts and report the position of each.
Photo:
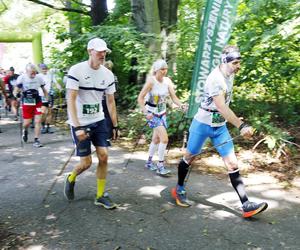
(50, 101)
(98, 136)
(10, 96)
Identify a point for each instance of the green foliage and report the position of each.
(262, 117)
(268, 35)
(178, 124)
(188, 28)
(134, 124)
(129, 99)
(121, 13)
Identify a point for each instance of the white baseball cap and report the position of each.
(98, 45)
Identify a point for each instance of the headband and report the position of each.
(159, 64)
(231, 56)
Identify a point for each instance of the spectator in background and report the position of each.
(109, 65)
(47, 103)
(10, 81)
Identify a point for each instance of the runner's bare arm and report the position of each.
(225, 111)
(45, 92)
(111, 106)
(71, 102)
(16, 91)
(219, 100)
(141, 98)
(2, 88)
(173, 96)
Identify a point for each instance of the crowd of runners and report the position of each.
(33, 91)
(92, 117)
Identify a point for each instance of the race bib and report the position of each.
(90, 109)
(29, 101)
(161, 107)
(217, 118)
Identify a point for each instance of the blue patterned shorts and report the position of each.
(157, 121)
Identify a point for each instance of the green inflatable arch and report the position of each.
(34, 38)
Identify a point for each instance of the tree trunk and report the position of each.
(146, 18)
(168, 16)
(99, 11)
(168, 13)
(74, 20)
(138, 15)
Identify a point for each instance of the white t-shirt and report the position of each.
(215, 85)
(25, 82)
(48, 83)
(156, 99)
(91, 84)
(30, 88)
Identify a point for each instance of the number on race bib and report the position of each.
(90, 109)
(217, 118)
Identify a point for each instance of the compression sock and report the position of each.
(161, 151)
(100, 187)
(152, 150)
(72, 177)
(183, 169)
(238, 185)
(149, 159)
(160, 164)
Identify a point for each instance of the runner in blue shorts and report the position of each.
(210, 122)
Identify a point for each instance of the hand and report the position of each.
(81, 134)
(115, 131)
(184, 107)
(246, 131)
(149, 116)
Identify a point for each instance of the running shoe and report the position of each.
(49, 130)
(151, 166)
(25, 135)
(44, 130)
(105, 202)
(37, 144)
(161, 170)
(180, 197)
(69, 188)
(251, 208)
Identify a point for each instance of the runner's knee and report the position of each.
(155, 140)
(165, 140)
(188, 158)
(103, 157)
(231, 165)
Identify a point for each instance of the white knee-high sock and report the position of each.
(152, 149)
(161, 151)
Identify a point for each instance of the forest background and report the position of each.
(266, 91)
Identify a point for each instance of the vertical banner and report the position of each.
(214, 35)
